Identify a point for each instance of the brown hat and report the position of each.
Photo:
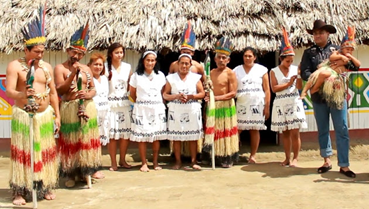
(320, 25)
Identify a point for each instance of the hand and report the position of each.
(81, 94)
(337, 63)
(292, 80)
(57, 125)
(345, 59)
(266, 112)
(29, 91)
(76, 67)
(207, 98)
(349, 56)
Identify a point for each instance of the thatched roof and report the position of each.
(155, 24)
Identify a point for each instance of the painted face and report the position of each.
(320, 37)
(287, 61)
(118, 54)
(249, 58)
(97, 66)
(37, 52)
(149, 62)
(184, 65)
(347, 50)
(187, 51)
(221, 60)
(75, 55)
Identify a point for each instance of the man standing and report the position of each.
(79, 144)
(224, 88)
(42, 91)
(311, 58)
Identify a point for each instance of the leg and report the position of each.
(296, 145)
(320, 80)
(339, 118)
(19, 200)
(123, 146)
(321, 113)
(307, 86)
(287, 147)
(155, 150)
(193, 150)
(177, 154)
(142, 150)
(255, 139)
(112, 147)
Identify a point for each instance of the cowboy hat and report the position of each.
(320, 25)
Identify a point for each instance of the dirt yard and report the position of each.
(263, 185)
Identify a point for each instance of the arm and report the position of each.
(200, 92)
(63, 85)
(305, 66)
(172, 67)
(91, 92)
(200, 71)
(11, 83)
(167, 93)
(132, 93)
(232, 88)
(355, 61)
(298, 79)
(54, 101)
(267, 95)
(335, 56)
(279, 87)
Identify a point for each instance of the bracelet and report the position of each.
(298, 76)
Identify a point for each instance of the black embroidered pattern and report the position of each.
(289, 122)
(101, 104)
(290, 95)
(115, 98)
(249, 90)
(146, 102)
(181, 133)
(120, 130)
(188, 102)
(250, 121)
(145, 135)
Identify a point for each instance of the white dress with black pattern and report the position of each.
(184, 119)
(120, 107)
(250, 97)
(102, 106)
(288, 111)
(149, 121)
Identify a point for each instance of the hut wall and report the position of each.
(358, 89)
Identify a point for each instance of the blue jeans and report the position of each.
(339, 118)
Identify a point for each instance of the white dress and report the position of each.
(184, 119)
(288, 111)
(102, 106)
(250, 97)
(120, 108)
(149, 121)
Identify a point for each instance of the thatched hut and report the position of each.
(145, 24)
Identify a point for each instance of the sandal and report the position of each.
(348, 173)
(324, 169)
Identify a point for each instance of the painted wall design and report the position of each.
(5, 103)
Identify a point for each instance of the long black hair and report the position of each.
(141, 67)
(254, 52)
(109, 56)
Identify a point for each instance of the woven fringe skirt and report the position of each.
(46, 162)
(79, 143)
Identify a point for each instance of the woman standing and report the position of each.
(149, 122)
(253, 98)
(120, 124)
(288, 114)
(96, 65)
(183, 91)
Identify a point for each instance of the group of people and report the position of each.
(107, 103)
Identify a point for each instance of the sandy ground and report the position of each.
(263, 185)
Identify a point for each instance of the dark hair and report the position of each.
(109, 56)
(284, 57)
(95, 57)
(141, 67)
(254, 52)
(31, 47)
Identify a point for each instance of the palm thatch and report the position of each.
(157, 24)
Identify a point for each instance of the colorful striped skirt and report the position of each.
(79, 143)
(46, 162)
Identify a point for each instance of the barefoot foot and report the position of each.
(293, 163)
(50, 196)
(98, 175)
(251, 160)
(113, 168)
(286, 162)
(144, 168)
(124, 164)
(177, 166)
(19, 200)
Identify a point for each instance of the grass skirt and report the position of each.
(79, 143)
(46, 162)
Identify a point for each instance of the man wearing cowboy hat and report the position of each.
(311, 58)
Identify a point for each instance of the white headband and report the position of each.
(185, 55)
(149, 52)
